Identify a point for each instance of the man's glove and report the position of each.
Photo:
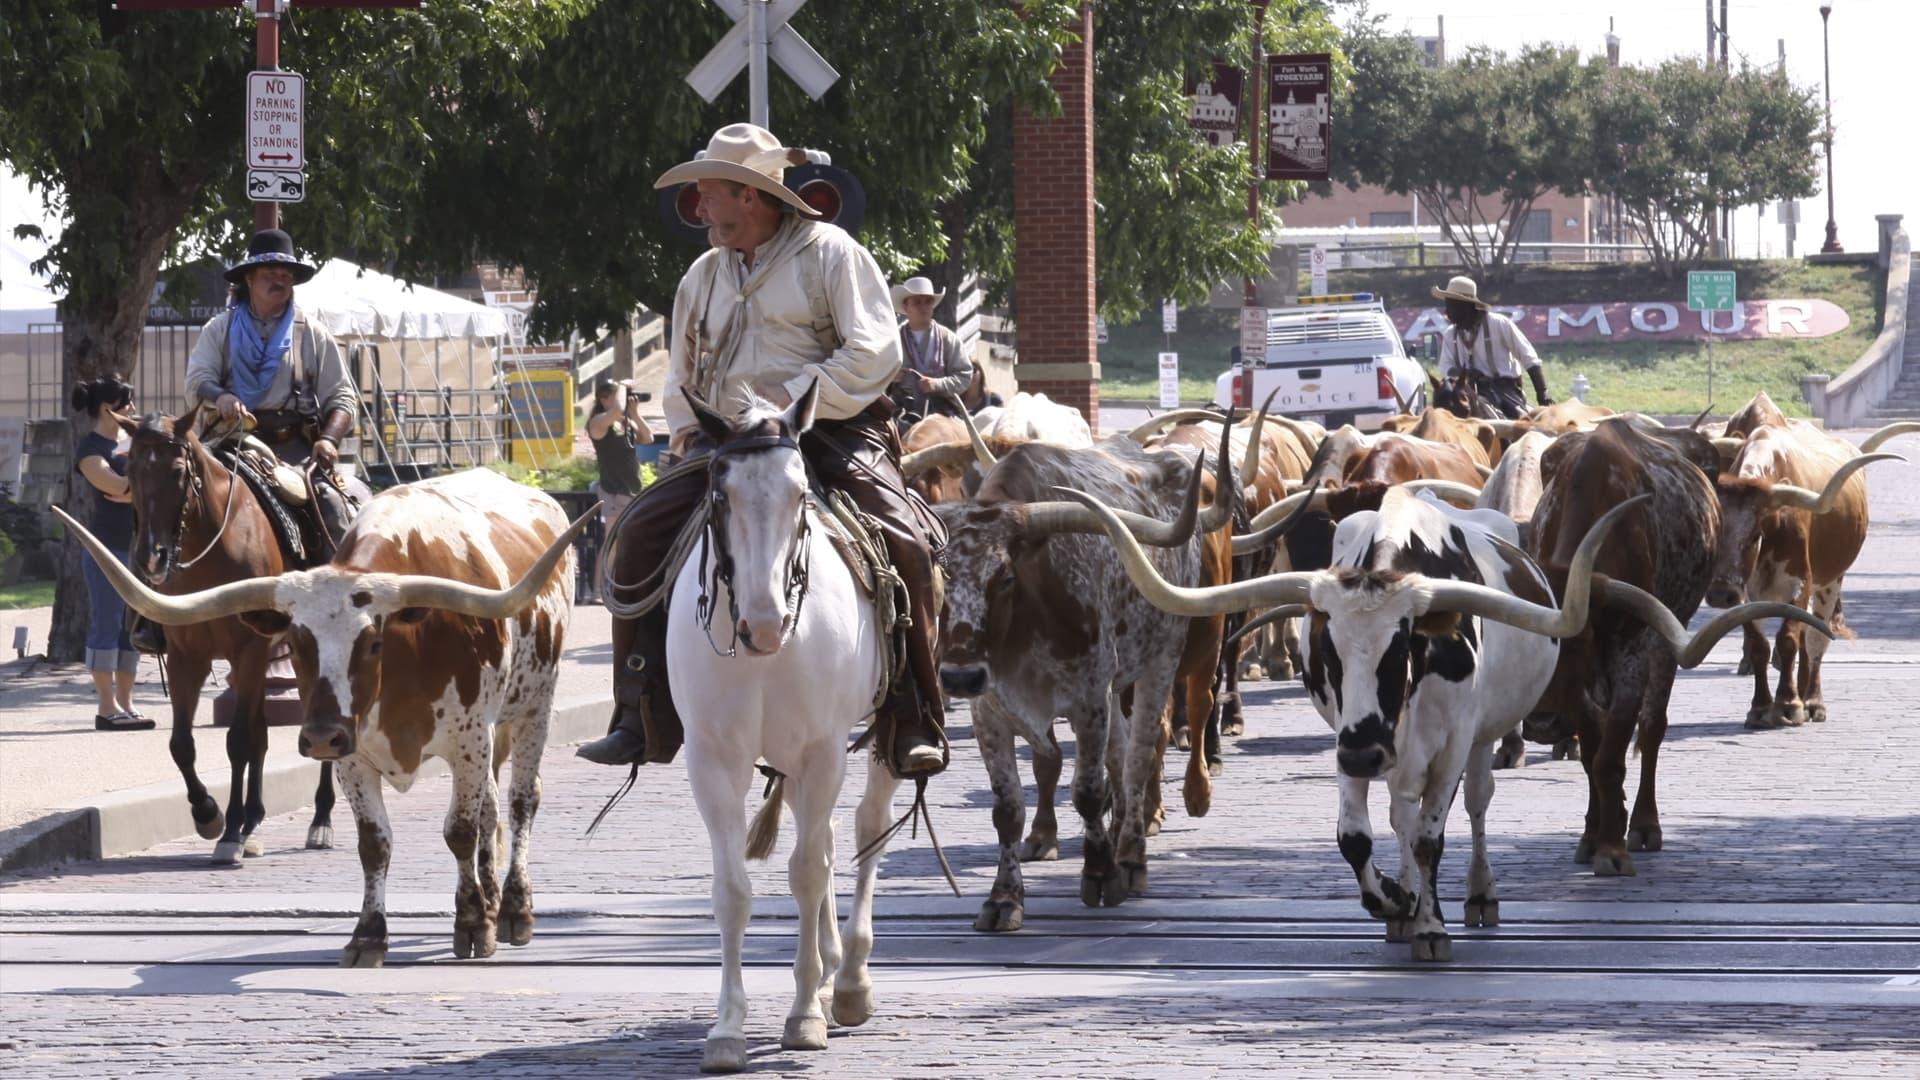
(1539, 386)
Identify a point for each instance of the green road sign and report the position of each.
(1710, 290)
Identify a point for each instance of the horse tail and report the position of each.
(764, 830)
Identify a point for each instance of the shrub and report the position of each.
(574, 474)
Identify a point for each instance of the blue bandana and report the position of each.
(252, 362)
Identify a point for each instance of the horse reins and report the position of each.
(721, 572)
(196, 485)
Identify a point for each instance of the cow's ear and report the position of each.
(1438, 624)
(267, 623)
(411, 616)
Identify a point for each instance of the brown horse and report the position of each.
(197, 525)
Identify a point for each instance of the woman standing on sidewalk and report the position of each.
(98, 458)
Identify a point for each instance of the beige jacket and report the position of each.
(815, 305)
(1499, 349)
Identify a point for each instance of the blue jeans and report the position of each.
(107, 646)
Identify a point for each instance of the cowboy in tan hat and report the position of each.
(780, 303)
(1485, 347)
(936, 371)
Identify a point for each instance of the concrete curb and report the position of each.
(134, 819)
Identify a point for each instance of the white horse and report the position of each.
(783, 667)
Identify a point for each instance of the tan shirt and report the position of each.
(853, 349)
(1498, 349)
(326, 371)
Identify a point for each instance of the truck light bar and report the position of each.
(1337, 298)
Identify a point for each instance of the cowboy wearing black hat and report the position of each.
(262, 358)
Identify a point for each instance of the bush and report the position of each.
(574, 474)
(19, 523)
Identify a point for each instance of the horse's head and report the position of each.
(757, 492)
(166, 477)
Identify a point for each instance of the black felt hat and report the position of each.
(271, 247)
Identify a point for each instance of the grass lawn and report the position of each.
(27, 594)
(1665, 377)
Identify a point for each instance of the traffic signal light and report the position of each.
(832, 191)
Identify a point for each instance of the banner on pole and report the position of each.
(1213, 106)
(1299, 111)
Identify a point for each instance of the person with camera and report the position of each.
(617, 431)
(101, 460)
(263, 359)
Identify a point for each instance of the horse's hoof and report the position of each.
(1399, 931)
(364, 954)
(1199, 800)
(996, 916)
(1481, 911)
(319, 837)
(1233, 727)
(227, 853)
(252, 848)
(1583, 852)
(1433, 948)
(1182, 741)
(1039, 849)
(1644, 839)
(211, 827)
(1215, 767)
(1566, 750)
(805, 1033)
(1254, 673)
(474, 942)
(1745, 667)
(851, 1008)
(1762, 718)
(516, 927)
(1792, 716)
(724, 1056)
(1612, 864)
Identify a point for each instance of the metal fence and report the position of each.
(1345, 256)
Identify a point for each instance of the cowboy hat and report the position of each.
(270, 247)
(1461, 287)
(915, 286)
(745, 154)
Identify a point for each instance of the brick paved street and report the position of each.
(1776, 933)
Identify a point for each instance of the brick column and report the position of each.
(1053, 296)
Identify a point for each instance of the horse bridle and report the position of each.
(196, 489)
(721, 572)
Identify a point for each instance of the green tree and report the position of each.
(1678, 142)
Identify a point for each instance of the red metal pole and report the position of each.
(1256, 128)
(266, 57)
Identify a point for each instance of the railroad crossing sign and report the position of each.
(760, 32)
(276, 185)
(1710, 290)
(276, 122)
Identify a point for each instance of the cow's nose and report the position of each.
(963, 682)
(325, 742)
(1722, 595)
(1363, 763)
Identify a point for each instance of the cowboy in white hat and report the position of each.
(936, 371)
(780, 303)
(1485, 347)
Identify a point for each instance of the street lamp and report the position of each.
(1833, 230)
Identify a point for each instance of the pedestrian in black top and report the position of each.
(99, 458)
(617, 431)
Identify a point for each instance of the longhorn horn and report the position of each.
(1648, 609)
(1569, 619)
(980, 452)
(1169, 419)
(1486, 471)
(1399, 400)
(1800, 498)
(941, 456)
(250, 594)
(1286, 588)
(480, 602)
(1897, 428)
(1452, 491)
(1728, 448)
(1279, 519)
(1264, 620)
(1052, 518)
(1701, 419)
(1220, 514)
(1509, 430)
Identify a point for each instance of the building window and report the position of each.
(1391, 219)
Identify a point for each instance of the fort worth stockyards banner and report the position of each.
(1654, 320)
(1213, 106)
(1299, 107)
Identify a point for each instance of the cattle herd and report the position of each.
(1446, 589)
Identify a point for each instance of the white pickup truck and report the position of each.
(1333, 359)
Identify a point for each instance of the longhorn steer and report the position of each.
(1040, 624)
(439, 620)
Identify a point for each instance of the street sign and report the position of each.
(1253, 335)
(1317, 266)
(1788, 211)
(1099, 330)
(760, 33)
(1169, 317)
(1169, 380)
(276, 185)
(1710, 290)
(276, 121)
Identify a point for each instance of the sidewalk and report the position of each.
(68, 791)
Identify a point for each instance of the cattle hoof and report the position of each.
(1215, 767)
(1432, 948)
(1792, 716)
(724, 1056)
(1481, 911)
(1108, 890)
(1613, 864)
(1182, 741)
(473, 942)
(996, 916)
(1233, 727)
(1399, 931)
(364, 954)
(1644, 839)
(851, 1008)
(1038, 848)
(1199, 799)
(805, 1033)
(1745, 667)
(227, 853)
(1566, 750)
(516, 927)
(1153, 824)
(1280, 670)
(1762, 718)
(1135, 876)
(319, 837)
(1254, 673)
(1510, 754)
(209, 827)
(1816, 714)
(252, 848)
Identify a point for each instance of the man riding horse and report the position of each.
(780, 302)
(1485, 348)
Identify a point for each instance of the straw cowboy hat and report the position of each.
(915, 286)
(270, 247)
(745, 154)
(1461, 287)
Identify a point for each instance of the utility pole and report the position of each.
(266, 57)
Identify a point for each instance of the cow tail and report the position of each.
(764, 830)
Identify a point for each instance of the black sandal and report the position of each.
(122, 722)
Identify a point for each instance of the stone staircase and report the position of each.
(1903, 403)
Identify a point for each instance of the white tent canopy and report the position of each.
(352, 301)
